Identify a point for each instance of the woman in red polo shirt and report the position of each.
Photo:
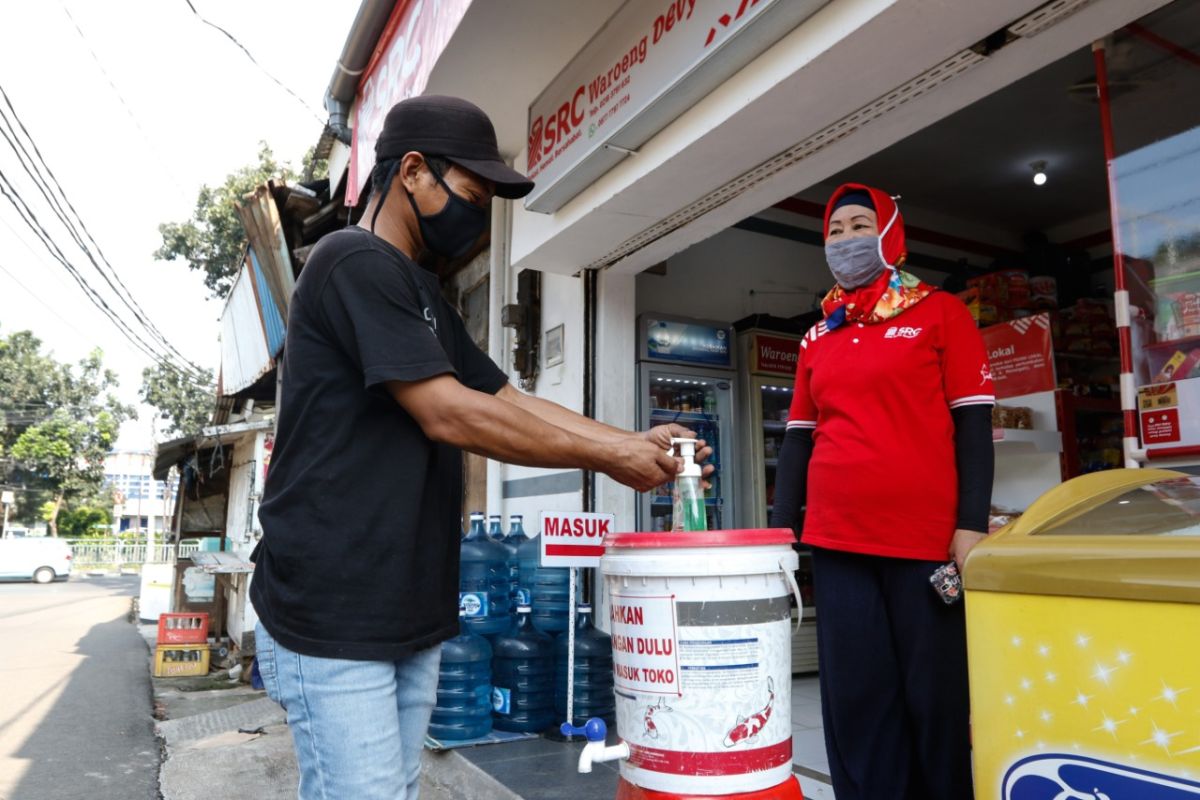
(886, 473)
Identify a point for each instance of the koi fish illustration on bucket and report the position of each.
(651, 729)
(747, 729)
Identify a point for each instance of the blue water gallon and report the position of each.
(528, 556)
(512, 542)
(483, 591)
(464, 692)
(550, 594)
(495, 530)
(523, 678)
(593, 672)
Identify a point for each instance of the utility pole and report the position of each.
(7, 499)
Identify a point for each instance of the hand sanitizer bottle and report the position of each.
(688, 512)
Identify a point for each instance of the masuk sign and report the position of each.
(574, 538)
(651, 61)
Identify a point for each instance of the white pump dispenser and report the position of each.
(688, 513)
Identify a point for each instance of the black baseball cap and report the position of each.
(454, 129)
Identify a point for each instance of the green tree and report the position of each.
(77, 523)
(313, 168)
(183, 403)
(213, 240)
(57, 423)
(31, 384)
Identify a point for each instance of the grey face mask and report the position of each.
(855, 262)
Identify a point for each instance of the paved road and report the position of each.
(75, 700)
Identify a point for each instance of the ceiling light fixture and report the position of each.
(1039, 173)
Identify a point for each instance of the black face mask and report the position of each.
(450, 232)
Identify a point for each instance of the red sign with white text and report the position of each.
(574, 539)
(1160, 427)
(414, 38)
(777, 355)
(1021, 356)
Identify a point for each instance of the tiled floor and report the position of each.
(808, 739)
(539, 769)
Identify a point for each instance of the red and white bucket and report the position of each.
(701, 632)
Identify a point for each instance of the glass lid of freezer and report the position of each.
(1169, 507)
(1127, 534)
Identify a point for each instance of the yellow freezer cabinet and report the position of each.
(1083, 629)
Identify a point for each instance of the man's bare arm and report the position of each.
(451, 413)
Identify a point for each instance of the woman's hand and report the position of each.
(962, 543)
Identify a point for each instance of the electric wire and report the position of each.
(166, 167)
(42, 303)
(155, 336)
(31, 221)
(254, 61)
(54, 276)
(35, 172)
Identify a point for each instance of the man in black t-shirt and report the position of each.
(356, 577)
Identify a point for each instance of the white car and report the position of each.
(41, 560)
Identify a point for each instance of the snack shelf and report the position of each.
(1041, 441)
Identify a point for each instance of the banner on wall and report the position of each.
(1021, 354)
(411, 43)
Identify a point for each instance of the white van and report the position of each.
(41, 559)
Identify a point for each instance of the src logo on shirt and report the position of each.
(985, 374)
(902, 333)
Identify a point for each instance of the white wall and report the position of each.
(562, 304)
(616, 382)
(734, 274)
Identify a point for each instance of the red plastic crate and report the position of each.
(182, 628)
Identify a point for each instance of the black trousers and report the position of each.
(893, 661)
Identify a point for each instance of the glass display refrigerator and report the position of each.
(768, 369)
(685, 375)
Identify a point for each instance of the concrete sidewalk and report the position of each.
(222, 738)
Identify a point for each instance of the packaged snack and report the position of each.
(1044, 288)
(1022, 418)
(1179, 366)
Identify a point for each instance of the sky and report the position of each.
(135, 104)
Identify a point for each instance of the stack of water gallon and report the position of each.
(512, 647)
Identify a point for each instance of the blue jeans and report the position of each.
(358, 726)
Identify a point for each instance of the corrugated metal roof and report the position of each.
(272, 321)
(260, 218)
(244, 354)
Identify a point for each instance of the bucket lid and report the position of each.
(728, 538)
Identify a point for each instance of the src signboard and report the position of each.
(652, 61)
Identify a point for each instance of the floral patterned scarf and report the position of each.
(890, 293)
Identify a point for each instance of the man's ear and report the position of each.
(410, 170)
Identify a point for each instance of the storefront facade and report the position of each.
(681, 154)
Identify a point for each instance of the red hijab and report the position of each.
(894, 290)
